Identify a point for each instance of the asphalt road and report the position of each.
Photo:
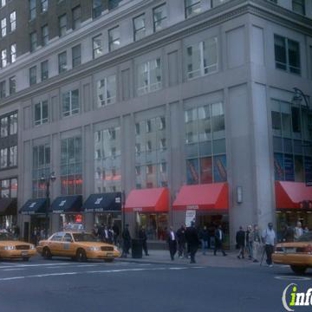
(59, 285)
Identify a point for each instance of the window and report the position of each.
(149, 76)
(44, 70)
(139, 27)
(114, 38)
(97, 43)
(219, 2)
(44, 6)
(97, 8)
(62, 62)
(13, 53)
(298, 6)
(76, 55)
(12, 85)
(106, 91)
(70, 103)
(62, 25)
(44, 35)
(3, 158)
(33, 75)
(32, 9)
(12, 156)
(12, 21)
(287, 54)
(2, 89)
(8, 188)
(112, 4)
(76, 13)
(3, 3)
(41, 113)
(160, 17)
(4, 60)
(192, 7)
(3, 27)
(202, 58)
(33, 41)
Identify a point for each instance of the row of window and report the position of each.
(9, 25)
(8, 188)
(8, 57)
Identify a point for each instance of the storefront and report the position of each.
(8, 213)
(69, 210)
(293, 204)
(149, 208)
(206, 205)
(106, 208)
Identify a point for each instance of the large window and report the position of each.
(33, 41)
(151, 153)
(8, 188)
(70, 103)
(97, 8)
(2, 89)
(71, 166)
(44, 5)
(41, 113)
(114, 38)
(160, 17)
(3, 27)
(139, 27)
(44, 70)
(32, 9)
(62, 25)
(298, 6)
(62, 62)
(106, 91)
(76, 17)
(41, 168)
(287, 54)
(97, 46)
(192, 7)
(12, 85)
(205, 144)
(149, 76)
(12, 21)
(107, 145)
(202, 58)
(32, 75)
(13, 53)
(44, 35)
(4, 59)
(76, 55)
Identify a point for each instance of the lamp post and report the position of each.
(47, 181)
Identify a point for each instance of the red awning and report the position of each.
(202, 197)
(291, 195)
(148, 200)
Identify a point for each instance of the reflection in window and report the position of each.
(70, 103)
(106, 91)
(160, 17)
(139, 27)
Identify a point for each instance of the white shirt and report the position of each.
(269, 237)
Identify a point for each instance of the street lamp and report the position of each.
(47, 181)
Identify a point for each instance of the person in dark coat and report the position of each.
(219, 236)
(126, 241)
(240, 242)
(204, 237)
(172, 242)
(192, 241)
(143, 237)
(181, 241)
(116, 233)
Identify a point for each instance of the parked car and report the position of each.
(11, 248)
(77, 245)
(297, 254)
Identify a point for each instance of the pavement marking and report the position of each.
(13, 269)
(293, 278)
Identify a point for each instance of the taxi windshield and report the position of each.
(84, 237)
(6, 236)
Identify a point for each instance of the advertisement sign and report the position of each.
(190, 216)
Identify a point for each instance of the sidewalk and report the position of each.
(209, 260)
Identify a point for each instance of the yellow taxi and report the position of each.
(297, 254)
(10, 248)
(77, 245)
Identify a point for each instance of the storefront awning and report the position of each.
(103, 202)
(8, 206)
(202, 197)
(148, 200)
(291, 195)
(33, 206)
(67, 204)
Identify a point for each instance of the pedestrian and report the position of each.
(298, 231)
(181, 239)
(126, 237)
(240, 242)
(192, 241)
(204, 238)
(256, 243)
(269, 240)
(219, 237)
(249, 241)
(116, 233)
(143, 237)
(287, 233)
(172, 243)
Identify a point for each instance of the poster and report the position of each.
(206, 170)
(278, 167)
(190, 216)
(192, 171)
(289, 167)
(219, 168)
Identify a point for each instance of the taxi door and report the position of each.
(55, 244)
(68, 245)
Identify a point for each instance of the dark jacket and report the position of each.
(192, 236)
(240, 238)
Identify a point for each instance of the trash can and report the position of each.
(136, 248)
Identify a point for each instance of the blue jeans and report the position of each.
(204, 245)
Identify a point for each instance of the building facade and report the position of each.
(155, 113)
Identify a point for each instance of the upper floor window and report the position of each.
(62, 62)
(219, 2)
(114, 38)
(8, 188)
(12, 21)
(3, 3)
(202, 58)
(287, 54)
(32, 75)
(44, 5)
(192, 7)
(32, 9)
(4, 60)
(97, 45)
(8, 125)
(33, 41)
(2, 89)
(70, 103)
(112, 4)
(106, 91)
(149, 76)
(139, 27)
(41, 113)
(160, 17)
(76, 55)
(13, 52)
(12, 85)
(44, 35)
(298, 6)
(97, 8)
(3, 27)
(44, 70)
(76, 13)
(62, 25)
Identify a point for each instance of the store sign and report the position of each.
(138, 209)
(190, 216)
(192, 207)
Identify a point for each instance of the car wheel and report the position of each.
(46, 253)
(108, 260)
(298, 269)
(81, 255)
(25, 259)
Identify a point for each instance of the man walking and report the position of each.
(192, 241)
(172, 243)
(269, 240)
(219, 236)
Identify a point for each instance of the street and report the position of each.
(65, 285)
